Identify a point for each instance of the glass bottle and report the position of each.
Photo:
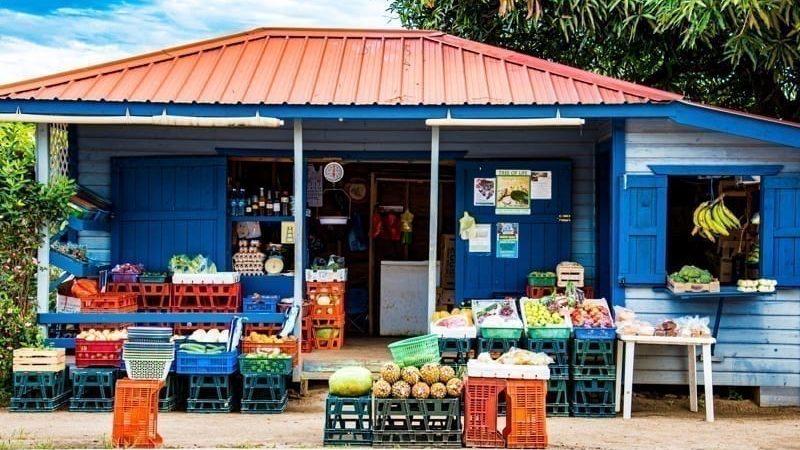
(262, 202)
(285, 204)
(268, 204)
(276, 204)
(233, 202)
(240, 203)
(254, 205)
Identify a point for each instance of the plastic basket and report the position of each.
(260, 303)
(542, 281)
(500, 333)
(255, 366)
(206, 297)
(136, 414)
(207, 364)
(416, 351)
(147, 369)
(289, 347)
(124, 277)
(549, 332)
(526, 414)
(152, 278)
(597, 334)
(109, 302)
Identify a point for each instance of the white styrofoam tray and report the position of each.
(206, 278)
(476, 368)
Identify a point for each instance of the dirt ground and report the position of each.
(656, 424)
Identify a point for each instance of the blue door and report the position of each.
(544, 239)
(780, 225)
(166, 206)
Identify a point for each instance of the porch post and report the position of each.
(299, 235)
(43, 255)
(433, 227)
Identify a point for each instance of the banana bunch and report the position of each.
(713, 218)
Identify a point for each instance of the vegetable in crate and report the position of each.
(691, 274)
(128, 268)
(350, 382)
(592, 315)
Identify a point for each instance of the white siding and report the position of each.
(758, 339)
(98, 144)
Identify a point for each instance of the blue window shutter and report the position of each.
(780, 230)
(643, 229)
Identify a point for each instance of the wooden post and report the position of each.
(299, 238)
(433, 220)
(43, 255)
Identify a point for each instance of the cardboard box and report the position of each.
(726, 271)
(445, 299)
(65, 302)
(447, 255)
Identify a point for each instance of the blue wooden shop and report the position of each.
(413, 119)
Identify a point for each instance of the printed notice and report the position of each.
(481, 240)
(541, 185)
(483, 192)
(513, 192)
(508, 240)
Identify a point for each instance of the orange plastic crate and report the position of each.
(263, 328)
(481, 397)
(151, 297)
(336, 339)
(109, 302)
(526, 414)
(307, 344)
(288, 347)
(136, 414)
(103, 326)
(336, 293)
(206, 298)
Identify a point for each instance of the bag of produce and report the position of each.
(519, 357)
(693, 326)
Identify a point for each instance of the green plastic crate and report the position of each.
(541, 281)
(416, 351)
(549, 332)
(255, 366)
(500, 333)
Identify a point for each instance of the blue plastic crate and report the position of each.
(261, 303)
(224, 363)
(597, 334)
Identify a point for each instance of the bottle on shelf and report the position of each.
(276, 204)
(262, 201)
(240, 201)
(233, 202)
(285, 204)
(254, 205)
(268, 204)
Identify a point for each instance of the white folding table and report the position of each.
(626, 346)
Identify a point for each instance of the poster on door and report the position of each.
(513, 192)
(541, 185)
(483, 192)
(507, 240)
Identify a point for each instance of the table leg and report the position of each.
(692, 372)
(717, 320)
(618, 386)
(708, 384)
(628, 394)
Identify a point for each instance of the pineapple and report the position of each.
(429, 373)
(454, 387)
(390, 372)
(401, 389)
(381, 389)
(438, 390)
(410, 375)
(446, 373)
(420, 391)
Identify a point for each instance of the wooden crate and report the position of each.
(569, 271)
(39, 360)
(680, 288)
(447, 255)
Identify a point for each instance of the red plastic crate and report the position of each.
(336, 340)
(263, 328)
(155, 297)
(98, 353)
(537, 291)
(136, 414)
(206, 298)
(109, 302)
(481, 397)
(526, 414)
(289, 347)
(123, 287)
(307, 343)
(103, 326)
(336, 293)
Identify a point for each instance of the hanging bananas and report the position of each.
(713, 218)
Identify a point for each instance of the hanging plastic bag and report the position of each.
(357, 237)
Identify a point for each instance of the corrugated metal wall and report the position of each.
(759, 339)
(97, 144)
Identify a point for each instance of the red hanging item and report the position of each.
(377, 224)
(392, 227)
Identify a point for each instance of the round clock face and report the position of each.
(273, 265)
(333, 172)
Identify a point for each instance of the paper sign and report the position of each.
(483, 192)
(507, 240)
(513, 192)
(287, 232)
(542, 185)
(481, 239)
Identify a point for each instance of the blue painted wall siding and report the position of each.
(759, 339)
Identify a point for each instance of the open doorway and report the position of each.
(727, 250)
(376, 243)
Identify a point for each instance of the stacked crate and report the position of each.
(40, 380)
(264, 378)
(409, 422)
(151, 297)
(217, 298)
(326, 301)
(557, 386)
(211, 378)
(136, 414)
(172, 394)
(108, 302)
(92, 389)
(348, 421)
(593, 374)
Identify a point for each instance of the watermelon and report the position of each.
(350, 382)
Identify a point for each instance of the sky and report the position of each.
(41, 37)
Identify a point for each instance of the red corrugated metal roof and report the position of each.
(341, 67)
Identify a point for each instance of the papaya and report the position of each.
(84, 287)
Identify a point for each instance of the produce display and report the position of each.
(540, 313)
(496, 313)
(271, 361)
(211, 336)
(203, 349)
(686, 326)
(427, 381)
(185, 264)
(713, 218)
(518, 357)
(350, 382)
(691, 274)
(74, 251)
(84, 287)
(592, 315)
(760, 285)
(128, 268)
(259, 338)
(456, 318)
(542, 274)
(754, 255)
(103, 335)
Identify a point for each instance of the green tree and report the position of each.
(26, 209)
(742, 54)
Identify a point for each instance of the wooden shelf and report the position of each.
(261, 218)
(725, 291)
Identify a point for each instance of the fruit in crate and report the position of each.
(211, 336)
(350, 382)
(268, 360)
(539, 315)
(438, 390)
(446, 373)
(103, 335)
(454, 387)
(401, 389)
(381, 389)
(455, 319)
(390, 372)
(410, 375)
(691, 274)
(326, 333)
(496, 313)
(259, 338)
(429, 373)
(592, 315)
(420, 391)
(128, 268)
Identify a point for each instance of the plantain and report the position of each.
(696, 213)
(731, 216)
(719, 222)
(708, 235)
